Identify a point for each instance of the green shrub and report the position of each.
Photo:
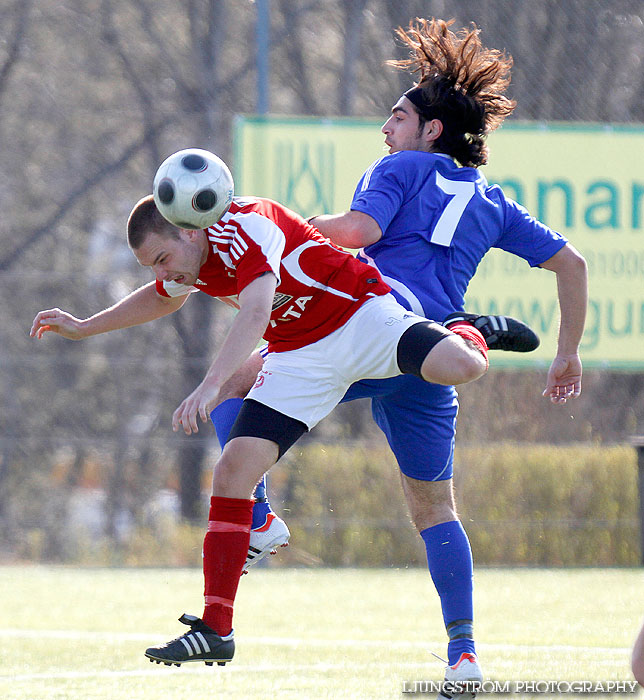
(521, 505)
(527, 505)
(541, 505)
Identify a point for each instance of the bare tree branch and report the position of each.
(295, 48)
(23, 8)
(354, 20)
(112, 38)
(72, 198)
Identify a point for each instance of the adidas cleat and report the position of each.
(462, 680)
(265, 540)
(500, 332)
(200, 644)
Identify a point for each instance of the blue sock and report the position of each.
(223, 416)
(262, 508)
(450, 564)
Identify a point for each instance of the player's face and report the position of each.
(401, 130)
(174, 259)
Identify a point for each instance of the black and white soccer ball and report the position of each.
(193, 188)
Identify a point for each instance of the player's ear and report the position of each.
(191, 234)
(433, 129)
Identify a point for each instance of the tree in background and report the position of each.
(95, 94)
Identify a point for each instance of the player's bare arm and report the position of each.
(352, 229)
(247, 329)
(564, 376)
(141, 306)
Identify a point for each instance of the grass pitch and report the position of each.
(79, 634)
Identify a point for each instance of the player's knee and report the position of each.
(469, 365)
(223, 475)
(241, 465)
(453, 361)
(232, 476)
(430, 502)
(433, 515)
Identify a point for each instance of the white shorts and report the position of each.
(307, 383)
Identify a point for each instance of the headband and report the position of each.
(416, 96)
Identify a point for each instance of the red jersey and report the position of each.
(320, 286)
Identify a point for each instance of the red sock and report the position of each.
(469, 332)
(224, 552)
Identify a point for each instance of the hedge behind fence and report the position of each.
(522, 505)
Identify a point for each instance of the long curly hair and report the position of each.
(462, 82)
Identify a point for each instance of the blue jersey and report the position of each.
(438, 221)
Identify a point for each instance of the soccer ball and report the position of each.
(193, 188)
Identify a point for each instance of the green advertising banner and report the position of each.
(585, 181)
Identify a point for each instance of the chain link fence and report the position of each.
(87, 454)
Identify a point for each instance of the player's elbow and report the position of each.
(353, 229)
(568, 262)
(577, 263)
(365, 230)
(257, 316)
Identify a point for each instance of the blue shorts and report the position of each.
(418, 419)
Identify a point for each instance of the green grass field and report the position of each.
(68, 633)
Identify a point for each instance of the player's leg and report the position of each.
(230, 400)
(449, 558)
(431, 352)
(499, 332)
(259, 437)
(268, 531)
(419, 421)
(461, 357)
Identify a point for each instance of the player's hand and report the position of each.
(564, 379)
(199, 404)
(56, 321)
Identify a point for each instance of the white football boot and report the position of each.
(463, 679)
(265, 540)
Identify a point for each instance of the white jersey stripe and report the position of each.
(367, 175)
(239, 241)
(291, 264)
(262, 231)
(238, 248)
(219, 241)
(402, 289)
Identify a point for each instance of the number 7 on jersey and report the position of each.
(448, 221)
